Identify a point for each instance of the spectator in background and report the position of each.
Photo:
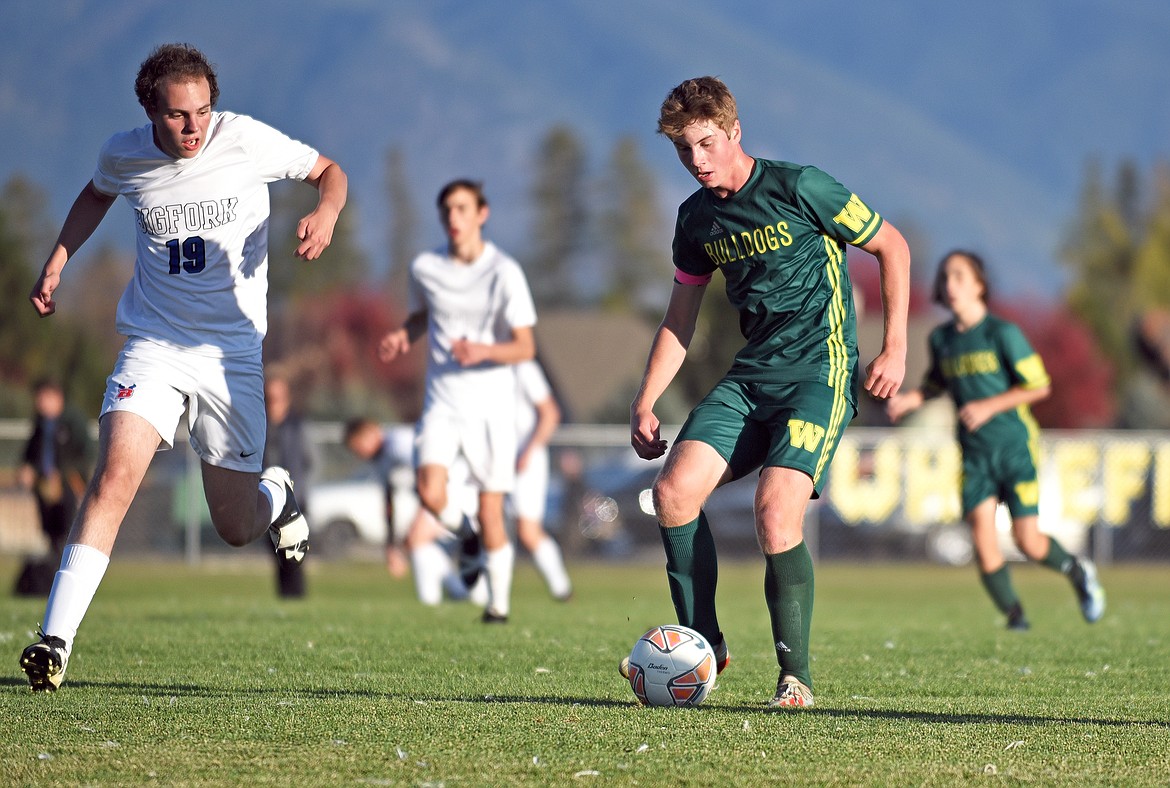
(55, 468)
(288, 447)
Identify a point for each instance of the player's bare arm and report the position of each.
(667, 352)
(87, 213)
(397, 342)
(316, 230)
(548, 418)
(978, 412)
(521, 347)
(883, 376)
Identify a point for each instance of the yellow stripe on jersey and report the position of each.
(1029, 421)
(1032, 370)
(838, 377)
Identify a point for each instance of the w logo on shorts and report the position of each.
(125, 392)
(805, 435)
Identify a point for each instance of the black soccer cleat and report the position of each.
(290, 530)
(470, 557)
(44, 663)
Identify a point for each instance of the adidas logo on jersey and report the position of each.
(715, 229)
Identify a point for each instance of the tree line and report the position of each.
(598, 241)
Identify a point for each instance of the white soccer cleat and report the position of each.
(1089, 590)
(791, 692)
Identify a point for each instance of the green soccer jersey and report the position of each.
(987, 359)
(780, 243)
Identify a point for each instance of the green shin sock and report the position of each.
(693, 572)
(999, 588)
(1057, 558)
(788, 589)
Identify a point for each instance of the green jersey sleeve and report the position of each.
(840, 212)
(1023, 364)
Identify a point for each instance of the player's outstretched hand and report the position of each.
(645, 435)
(883, 376)
(42, 294)
(316, 232)
(393, 345)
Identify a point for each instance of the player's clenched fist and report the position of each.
(393, 345)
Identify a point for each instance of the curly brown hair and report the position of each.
(697, 100)
(172, 61)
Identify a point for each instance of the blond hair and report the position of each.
(694, 101)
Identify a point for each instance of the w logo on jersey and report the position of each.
(855, 215)
(805, 435)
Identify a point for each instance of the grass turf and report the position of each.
(201, 675)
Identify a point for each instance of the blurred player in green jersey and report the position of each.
(987, 366)
(778, 232)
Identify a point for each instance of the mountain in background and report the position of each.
(965, 124)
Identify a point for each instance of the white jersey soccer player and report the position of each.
(200, 279)
(537, 416)
(473, 304)
(470, 409)
(194, 315)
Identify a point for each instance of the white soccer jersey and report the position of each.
(201, 272)
(482, 301)
(532, 387)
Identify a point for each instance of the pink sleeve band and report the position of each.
(683, 278)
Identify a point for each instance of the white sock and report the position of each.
(551, 565)
(498, 568)
(277, 497)
(429, 563)
(82, 570)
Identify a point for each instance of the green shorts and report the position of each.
(784, 425)
(1007, 473)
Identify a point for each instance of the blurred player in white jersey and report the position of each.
(414, 536)
(473, 303)
(537, 418)
(194, 315)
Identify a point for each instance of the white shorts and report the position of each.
(487, 445)
(529, 497)
(222, 397)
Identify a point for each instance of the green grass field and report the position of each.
(202, 676)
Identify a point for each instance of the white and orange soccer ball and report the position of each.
(672, 665)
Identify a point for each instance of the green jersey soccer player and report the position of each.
(778, 234)
(987, 366)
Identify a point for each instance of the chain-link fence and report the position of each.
(892, 494)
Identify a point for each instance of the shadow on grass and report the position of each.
(930, 718)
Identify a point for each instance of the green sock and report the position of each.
(788, 589)
(693, 572)
(999, 587)
(1057, 558)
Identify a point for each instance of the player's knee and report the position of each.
(777, 529)
(674, 501)
(433, 497)
(232, 532)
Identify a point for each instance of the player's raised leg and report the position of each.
(1047, 551)
(693, 470)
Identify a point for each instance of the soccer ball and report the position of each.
(672, 665)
